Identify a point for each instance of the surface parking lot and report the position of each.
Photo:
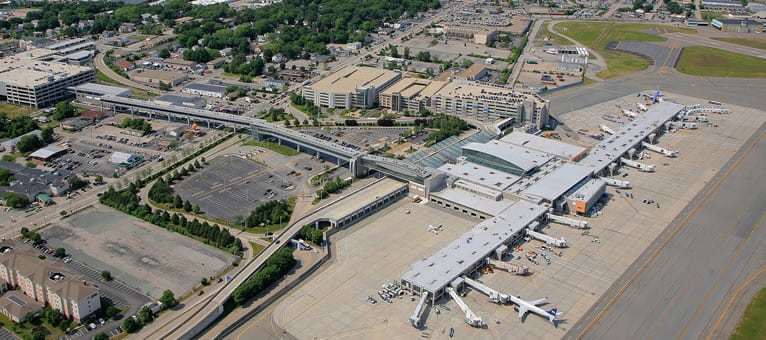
(358, 137)
(232, 186)
(141, 255)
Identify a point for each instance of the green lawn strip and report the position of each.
(280, 149)
(749, 42)
(753, 323)
(596, 35)
(712, 62)
(13, 111)
(256, 248)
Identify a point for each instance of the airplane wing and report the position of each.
(538, 301)
(522, 311)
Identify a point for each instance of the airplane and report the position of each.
(629, 113)
(524, 307)
(656, 97)
(435, 230)
(641, 107)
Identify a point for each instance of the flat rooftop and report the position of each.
(480, 174)
(534, 142)
(29, 73)
(160, 75)
(438, 270)
(612, 148)
(349, 78)
(470, 90)
(415, 87)
(475, 202)
(102, 89)
(66, 43)
(555, 184)
(363, 198)
(524, 158)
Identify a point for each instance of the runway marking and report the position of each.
(721, 275)
(664, 244)
(734, 297)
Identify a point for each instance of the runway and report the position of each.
(682, 283)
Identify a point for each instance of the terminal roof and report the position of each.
(534, 142)
(557, 183)
(436, 271)
(612, 148)
(524, 158)
(480, 174)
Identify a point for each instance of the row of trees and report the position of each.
(308, 107)
(12, 128)
(32, 235)
(276, 266)
(15, 200)
(146, 316)
(447, 126)
(162, 192)
(271, 212)
(332, 186)
(127, 201)
(240, 65)
(137, 124)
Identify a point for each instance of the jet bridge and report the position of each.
(606, 129)
(513, 268)
(640, 166)
(494, 296)
(549, 240)
(659, 149)
(471, 319)
(577, 224)
(616, 183)
(417, 317)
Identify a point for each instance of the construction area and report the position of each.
(572, 267)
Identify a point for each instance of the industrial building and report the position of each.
(90, 92)
(154, 77)
(207, 90)
(169, 99)
(75, 123)
(350, 87)
(738, 25)
(43, 282)
(49, 152)
(122, 158)
(474, 72)
(26, 81)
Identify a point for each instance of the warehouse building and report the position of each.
(738, 25)
(169, 99)
(154, 77)
(91, 92)
(29, 82)
(121, 157)
(49, 152)
(207, 90)
(351, 87)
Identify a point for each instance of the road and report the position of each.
(679, 286)
(98, 60)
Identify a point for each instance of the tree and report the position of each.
(6, 177)
(106, 275)
(47, 135)
(178, 202)
(29, 143)
(164, 53)
(168, 300)
(64, 110)
(98, 180)
(111, 312)
(204, 282)
(195, 208)
(15, 200)
(60, 252)
(101, 336)
(145, 315)
(187, 206)
(165, 86)
(130, 325)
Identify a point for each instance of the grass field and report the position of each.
(712, 62)
(596, 35)
(753, 323)
(751, 42)
(553, 37)
(13, 111)
(256, 247)
(280, 149)
(101, 77)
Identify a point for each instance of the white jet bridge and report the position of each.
(513, 268)
(577, 224)
(616, 183)
(640, 166)
(494, 296)
(417, 317)
(606, 129)
(471, 319)
(659, 149)
(549, 240)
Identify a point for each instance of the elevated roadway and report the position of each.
(201, 316)
(357, 161)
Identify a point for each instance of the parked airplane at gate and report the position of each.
(524, 307)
